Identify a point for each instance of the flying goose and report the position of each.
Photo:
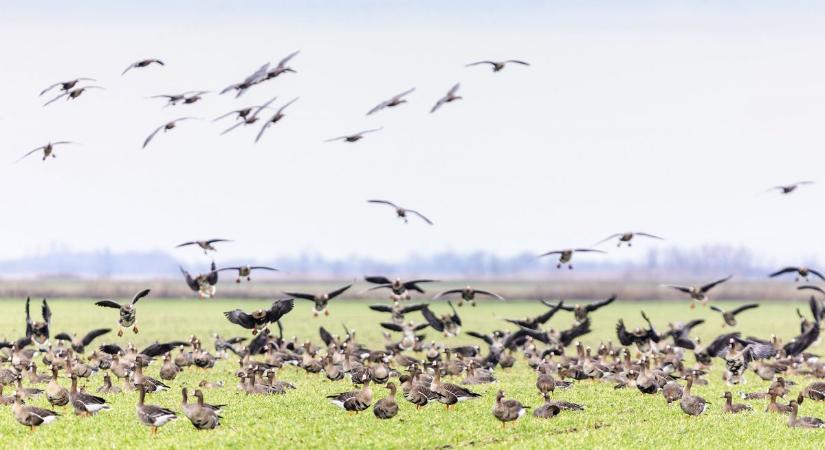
(275, 118)
(48, 150)
(468, 294)
(141, 64)
(206, 246)
(281, 68)
(65, 85)
(241, 114)
(627, 238)
(203, 284)
(699, 293)
(79, 344)
(320, 300)
(186, 98)
(789, 188)
(165, 127)
(401, 212)
(248, 82)
(128, 311)
(72, 94)
(449, 324)
(246, 271)
(398, 311)
(260, 318)
(497, 66)
(392, 102)
(38, 331)
(730, 316)
(448, 98)
(801, 273)
(354, 137)
(580, 312)
(567, 254)
(400, 289)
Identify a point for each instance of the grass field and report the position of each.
(304, 418)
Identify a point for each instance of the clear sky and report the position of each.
(670, 120)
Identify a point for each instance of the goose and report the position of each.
(734, 408)
(398, 311)
(166, 127)
(737, 361)
(246, 271)
(498, 66)
(627, 238)
(581, 312)
(450, 394)
(65, 85)
(508, 410)
(32, 416)
(730, 316)
(534, 323)
(400, 289)
(672, 391)
(774, 406)
(281, 68)
(27, 392)
(260, 318)
(468, 294)
(203, 416)
(142, 63)
(72, 94)
(205, 245)
(86, 404)
(353, 401)
(248, 82)
(802, 422)
(56, 394)
(400, 212)
(275, 118)
(448, 98)
(548, 410)
(415, 392)
(107, 387)
(48, 150)
(789, 188)
(815, 390)
(240, 114)
(566, 255)
(562, 404)
(321, 300)
(392, 102)
(79, 344)
(801, 272)
(168, 370)
(354, 137)
(692, 405)
(150, 385)
(128, 311)
(386, 408)
(186, 98)
(153, 416)
(699, 293)
(203, 284)
(449, 324)
(39, 331)
(680, 332)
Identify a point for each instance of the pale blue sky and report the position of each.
(669, 120)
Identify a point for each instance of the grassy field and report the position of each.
(304, 418)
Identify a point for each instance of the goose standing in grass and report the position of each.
(165, 128)
(353, 401)
(31, 416)
(153, 416)
(321, 300)
(508, 410)
(627, 238)
(354, 137)
(65, 85)
(79, 344)
(203, 416)
(449, 394)
(203, 284)
(48, 150)
(672, 391)
(142, 63)
(401, 212)
(86, 404)
(72, 94)
(692, 405)
(392, 102)
(128, 311)
(387, 408)
(566, 255)
(56, 394)
(498, 66)
(801, 272)
(734, 408)
(468, 294)
(107, 387)
(261, 318)
(447, 98)
(246, 271)
(730, 316)
(699, 293)
(794, 421)
(39, 331)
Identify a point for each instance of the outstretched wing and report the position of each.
(384, 202)
(710, 286)
(241, 318)
(431, 319)
(193, 285)
(456, 319)
(744, 308)
(596, 305)
(108, 304)
(625, 338)
(483, 337)
(392, 326)
(338, 291)
(580, 329)
(381, 308)
(377, 280)
(28, 318)
(550, 313)
(279, 309)
(488, 293)
(422, 216)
(783, 271)
(92, 335)
(140, 295)
(301, 295)
(326, 336)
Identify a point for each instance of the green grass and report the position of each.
(304, 419)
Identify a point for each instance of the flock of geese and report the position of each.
(422, 370)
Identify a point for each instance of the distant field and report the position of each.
(304, 419)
